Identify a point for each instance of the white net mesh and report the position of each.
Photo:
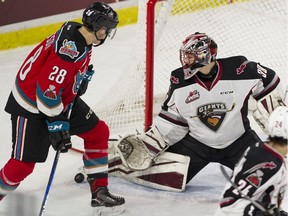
(256, 29)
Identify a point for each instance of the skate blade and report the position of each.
(108, 211)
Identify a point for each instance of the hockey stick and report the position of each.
(51, 177)
(52, 173)
(256, 204)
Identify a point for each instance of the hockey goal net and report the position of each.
(256, 29)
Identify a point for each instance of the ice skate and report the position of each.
(106, 203)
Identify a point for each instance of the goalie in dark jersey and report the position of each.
(261, 174)
(204, 117)
(52, 77)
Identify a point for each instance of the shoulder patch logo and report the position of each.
(174, 80)
(69, 48)
(192, 96)
(241, 68)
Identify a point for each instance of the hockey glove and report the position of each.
(271, 210)
(86, 79)
(265, 107)
(59, 136)
(139, 152)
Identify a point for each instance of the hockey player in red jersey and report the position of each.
(261, 174)
(204, 116)
(52, 77)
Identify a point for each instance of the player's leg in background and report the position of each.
(95, 134)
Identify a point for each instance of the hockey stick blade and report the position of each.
(256, 204)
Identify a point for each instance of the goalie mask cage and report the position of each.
(256, 29)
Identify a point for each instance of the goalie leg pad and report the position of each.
(169, 172)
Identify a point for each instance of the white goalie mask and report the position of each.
(278, 123)
(201, 48)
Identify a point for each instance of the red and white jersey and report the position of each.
(50, 76)
(215, 111)
(262, 178)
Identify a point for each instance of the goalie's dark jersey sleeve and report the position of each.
(261, 174)
(49, 78)
(208, 111)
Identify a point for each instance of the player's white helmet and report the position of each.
(278, 123)
(202, 47)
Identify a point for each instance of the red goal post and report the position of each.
(149, 63)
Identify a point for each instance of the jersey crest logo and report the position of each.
(212, 115)
(69, 48)
(255, 178)
(192, 96)
(50, 93)
(240, 70)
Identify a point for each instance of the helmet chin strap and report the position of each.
(101, 40)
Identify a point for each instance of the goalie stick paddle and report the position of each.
(52, 173)
(256, 204)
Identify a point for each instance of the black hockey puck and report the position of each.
(79, 178)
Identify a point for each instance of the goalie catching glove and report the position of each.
(138, 152)
(265, 107)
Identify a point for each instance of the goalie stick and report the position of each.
(256, 204)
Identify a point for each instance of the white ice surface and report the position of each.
(69, 198)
